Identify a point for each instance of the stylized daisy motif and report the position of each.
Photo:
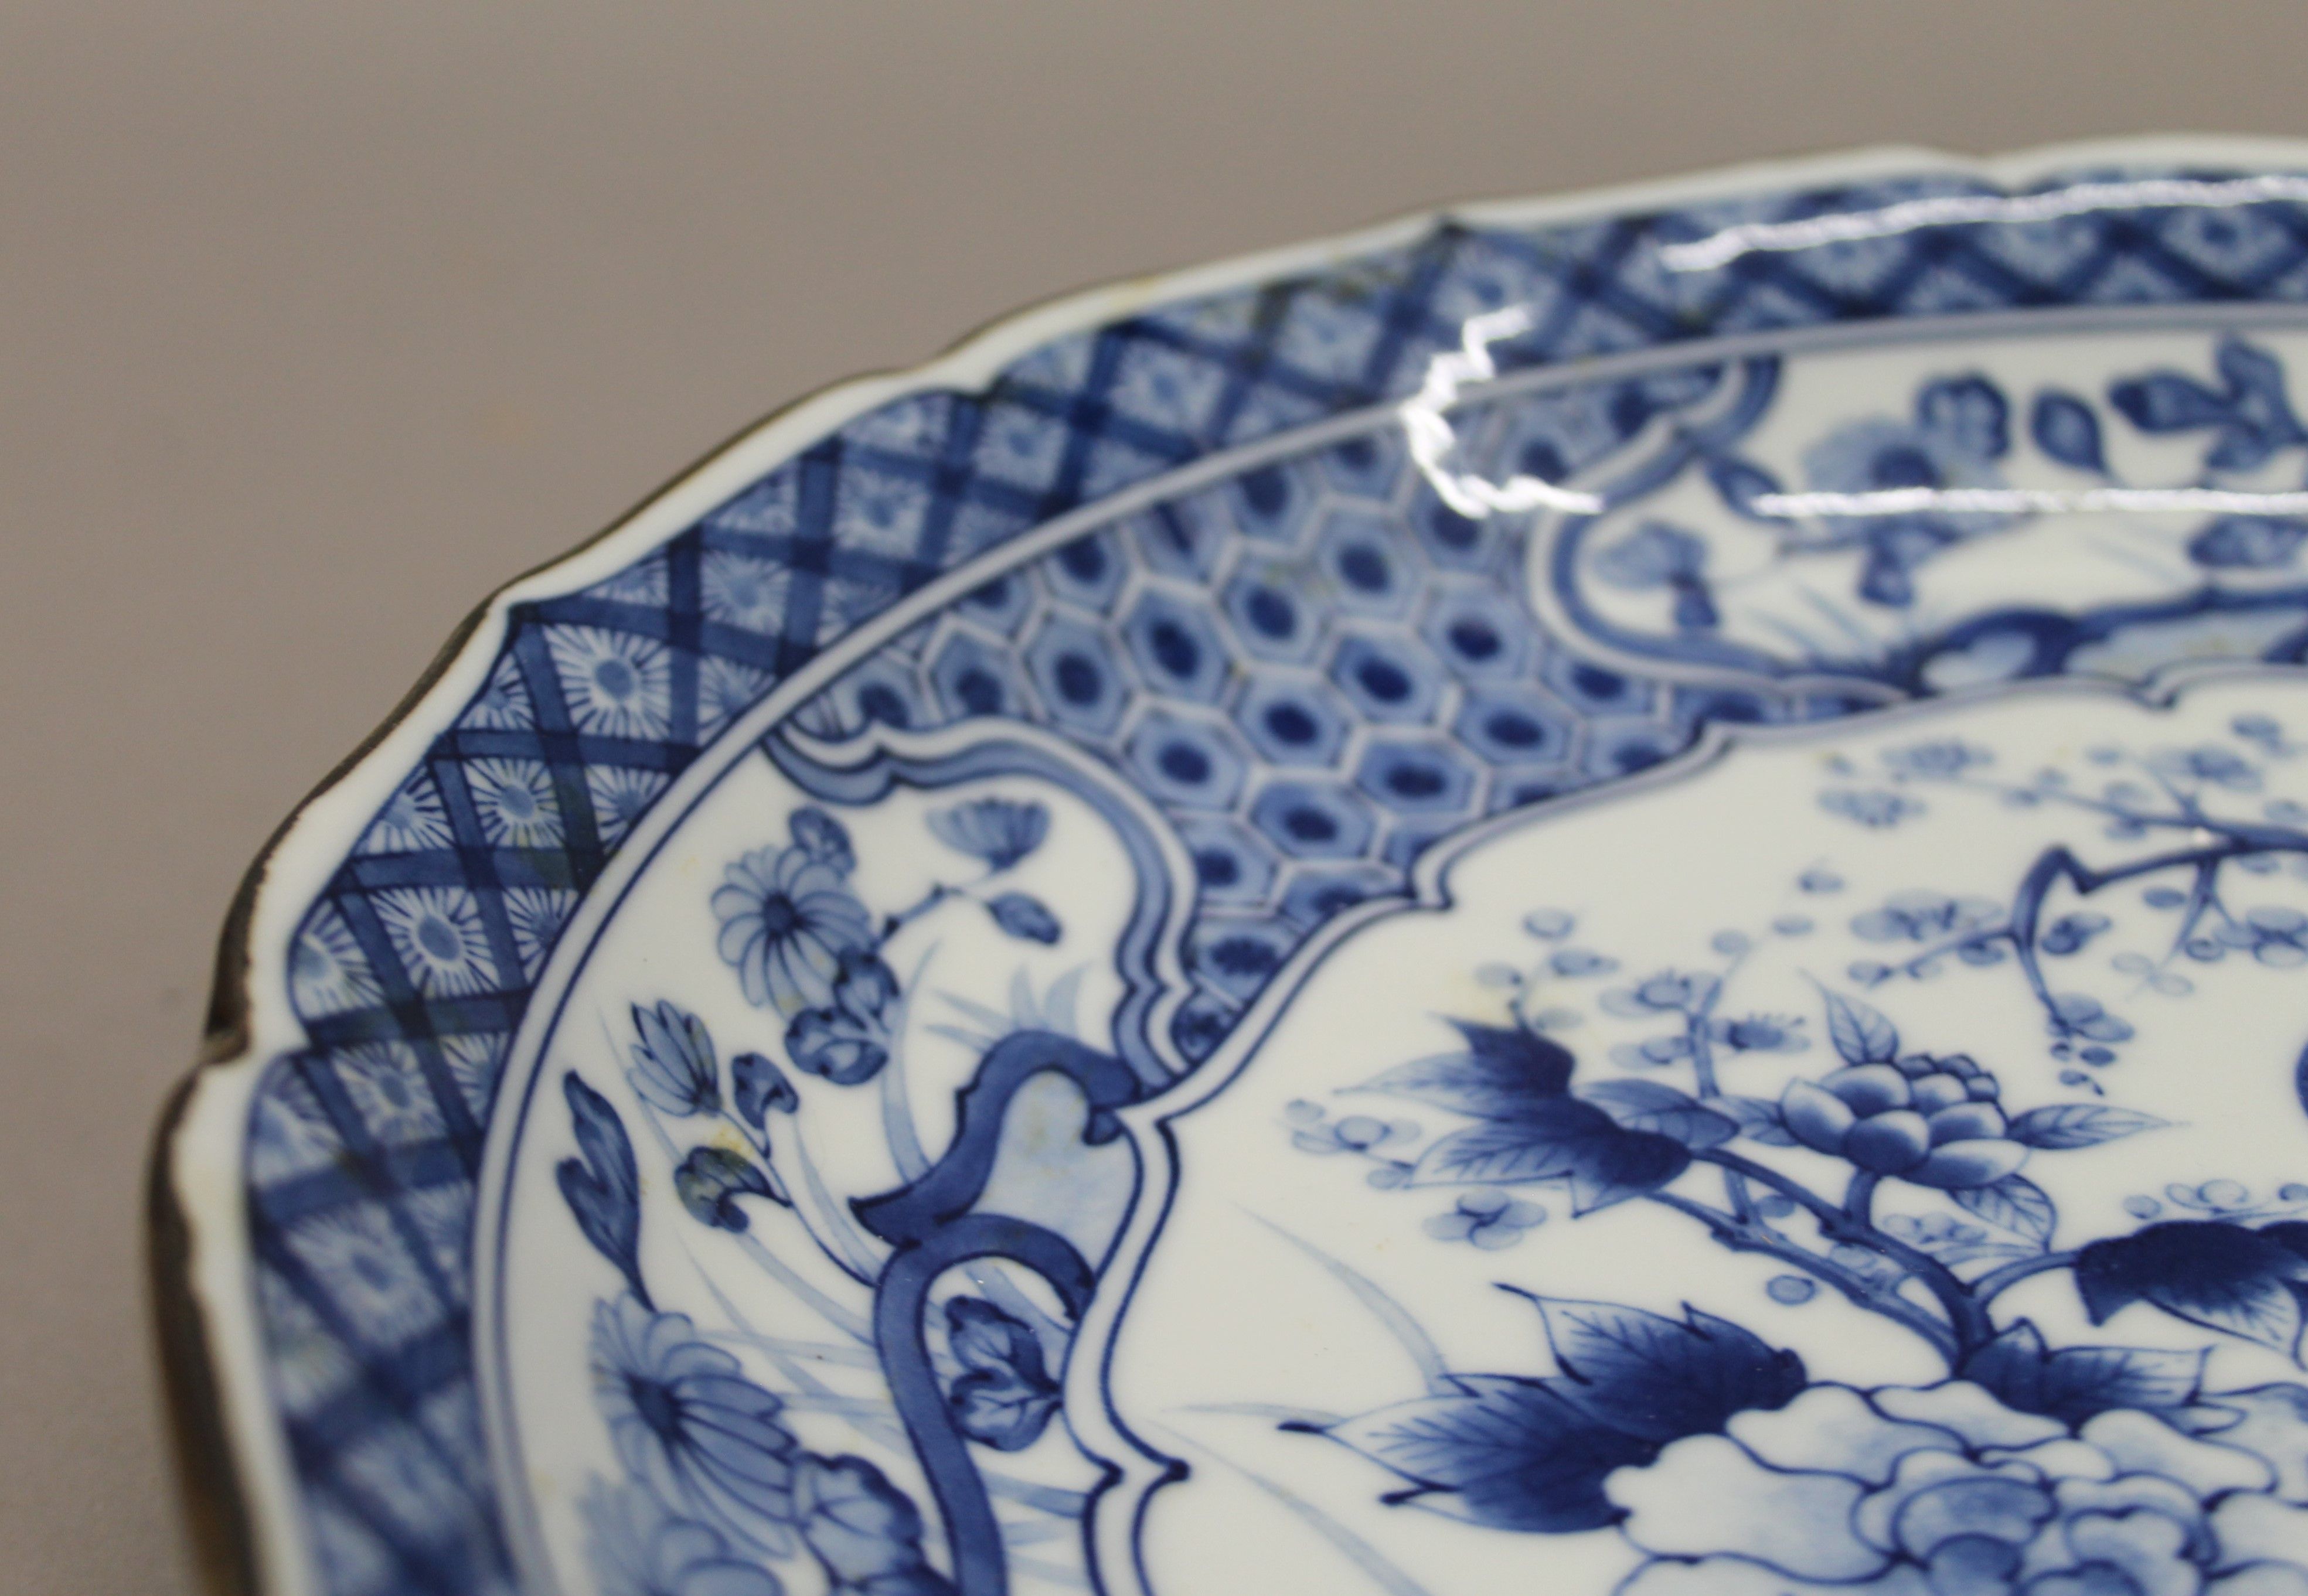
(786, 918)
(503, 704)
(643, 582)
(328, 973)
(437, 932)
(638, 1549)
(376, 1280)
(686, 1423)
(475, 1062)
(290, 1133)
(620, 796)
(741, 590)
(386, 1083)
(537, 915)
(618, 685)
(725, 691)
(515, 801)
(411, 820)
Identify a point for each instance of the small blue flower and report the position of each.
(1923, 916)
(824, 839)
(1875, 810)
(1943, 757)
(1356, 1133)
(1486, 1218)
(1668, 992)
(2210, 763)
(1761, 1033)
(2070, 932)
(675, 1068)
(1001, 831)
(1582, 961)
(2075, 1014)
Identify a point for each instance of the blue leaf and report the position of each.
(1740, 483)
(2078, 1125)
(2014, 1203)
(1860, 1034)
(824, 839)
(1759, 1117)
(1505, 1073)
(1561, 1140)
(2167, 402)
(1661, 1109)
(758, 1086)
(1004, 1396)
(1024, 917)
(864, 1531)
(2066, 428)
(2244, 1283)
(1505, 1453)
(1650, 1377)
(602, 1185)
(2074, 1383)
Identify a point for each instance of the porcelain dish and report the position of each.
(1607, 893)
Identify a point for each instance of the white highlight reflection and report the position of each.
(1432, 437)
(1720, 249)
(1427, 424)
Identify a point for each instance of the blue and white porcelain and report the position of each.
(1607, 895)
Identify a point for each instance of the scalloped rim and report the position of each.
(233, 1454)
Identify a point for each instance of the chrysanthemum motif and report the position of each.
(725, 691)
(537, 915)
(437, 932)
(617, 684)
(1944, 1491)
(502, 706)
(686, 1423)
(515, 801)
(370, 1273)
(786, 918)
(741, 590)
(1001, 831)
(387, 1085)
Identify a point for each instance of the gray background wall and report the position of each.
(317, 322)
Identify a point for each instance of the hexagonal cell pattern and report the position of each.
(1315, 668)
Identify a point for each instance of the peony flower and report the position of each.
(1931, 1121)
(1944, 1491)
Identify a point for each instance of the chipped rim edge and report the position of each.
(244, 1502)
